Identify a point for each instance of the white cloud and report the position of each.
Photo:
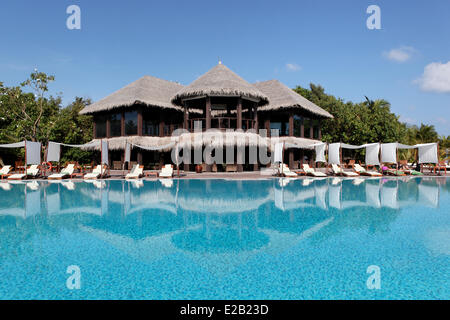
(436, 77)
(408, 120)
(401, 54)
(293, 67)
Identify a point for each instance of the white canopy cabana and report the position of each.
(54, 149)
(32, 150)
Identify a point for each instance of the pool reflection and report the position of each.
(210, 217)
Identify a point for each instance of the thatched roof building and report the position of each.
(220, 81)
(148, 112)
(283, 97)
(149, 91)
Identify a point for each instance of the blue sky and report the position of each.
(407, 62)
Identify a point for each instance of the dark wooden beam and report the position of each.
(122, 124)
(291, 124)
(239, 113)
(186, 118)
(320, 130)
(108, 127)
(208, 113)
(140, 122)
(302, 128)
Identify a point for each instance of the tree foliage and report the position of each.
(35, 116)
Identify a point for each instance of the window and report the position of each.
(307, 128)
(116, 125)
(151, 127)
(131, 123)
(316, 127)
(275, 126)
(298, 121)
(282, 127)
(100, 127)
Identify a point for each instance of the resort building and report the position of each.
(149, 110)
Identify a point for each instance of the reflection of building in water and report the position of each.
(218, 225)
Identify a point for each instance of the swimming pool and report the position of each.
(219, 239)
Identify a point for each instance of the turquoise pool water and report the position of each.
(217, 239)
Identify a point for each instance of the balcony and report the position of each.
(221, 123)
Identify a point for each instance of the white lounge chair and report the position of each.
(136, 172)
(311, 172)
(96, 173)
(362, 171)
(66, 172)
(166, 171)
(33, 172)
(340, 172)
(4, 171)
(285, 171)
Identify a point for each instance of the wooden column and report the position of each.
(161, 125)
(139, 157)
(94, 134)
(122, 124)
(302, 128)
(208, 113)
(208, 122)
(255, 118)
(239, 113)
(311, 130)
(108, 127)
(320, 130)
(140, 122)
(291, 134)
(267, 126)
(186, 118)
(291, 124)
(256, 127)
(240, 167)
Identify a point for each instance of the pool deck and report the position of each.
(246, 175)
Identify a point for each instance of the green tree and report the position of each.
(72, 128)
(28, 115)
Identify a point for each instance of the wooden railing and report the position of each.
(221, 123)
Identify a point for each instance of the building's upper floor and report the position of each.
(218, 99)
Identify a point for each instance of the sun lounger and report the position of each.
(66, 172)
(4, 171)
(33, 172)
(311, 172)
(285, 171)
(166, 171)
(136, 172)
(394, 172)
(338, 171)
(440, 166)
(406, 169)
(96, 173)
(362, 171)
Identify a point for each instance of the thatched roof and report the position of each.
(147, 90)
(220, 81)
(294, 142)
(283, 97)
(214, 138)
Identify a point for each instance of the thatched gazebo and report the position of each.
(148, 111)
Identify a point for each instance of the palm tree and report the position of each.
(426, 133)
